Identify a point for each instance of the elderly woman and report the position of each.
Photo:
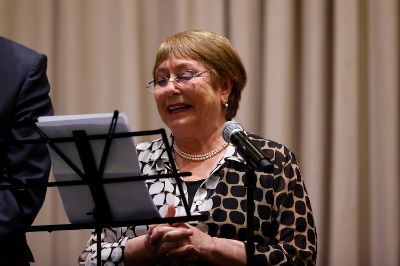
(198, 80)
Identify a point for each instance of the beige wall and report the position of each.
(323, 79)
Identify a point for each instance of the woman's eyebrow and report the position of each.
(178, 67)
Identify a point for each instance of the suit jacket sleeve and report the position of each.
(27, 97)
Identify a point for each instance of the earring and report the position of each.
(226, 105)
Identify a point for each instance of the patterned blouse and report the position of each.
(285, 232)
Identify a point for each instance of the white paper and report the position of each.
(127, 200)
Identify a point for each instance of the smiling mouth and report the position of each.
(177, 108)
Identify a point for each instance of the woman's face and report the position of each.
(193, 109)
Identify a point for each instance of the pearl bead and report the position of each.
(200, 157)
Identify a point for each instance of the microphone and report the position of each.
(233, 132)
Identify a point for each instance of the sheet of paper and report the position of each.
(127, 200)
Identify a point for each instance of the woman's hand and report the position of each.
(141, 251)
(183, 242)
(180, 241)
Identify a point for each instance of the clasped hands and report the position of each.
(179, 241)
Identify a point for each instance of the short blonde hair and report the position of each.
(215, 52)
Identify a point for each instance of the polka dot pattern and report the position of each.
(285, 232)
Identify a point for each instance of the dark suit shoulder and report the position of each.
(20, 68)
(17, 59)
(16, 62)
(12, 50)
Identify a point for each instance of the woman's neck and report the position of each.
(199, 169)
(199, 143)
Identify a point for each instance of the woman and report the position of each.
(198, 80)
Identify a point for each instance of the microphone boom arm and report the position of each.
(253, 155)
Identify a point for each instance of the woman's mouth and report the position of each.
(178, 107)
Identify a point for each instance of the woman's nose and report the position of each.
(171, 89)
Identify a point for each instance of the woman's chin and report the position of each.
(182, 126)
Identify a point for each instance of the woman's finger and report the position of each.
(186, 252)
(169, 233)
(166, 246)
(177, 234)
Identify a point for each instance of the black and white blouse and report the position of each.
(285, 232)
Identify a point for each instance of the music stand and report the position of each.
(93, 177)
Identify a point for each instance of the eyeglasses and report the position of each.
(182, 79)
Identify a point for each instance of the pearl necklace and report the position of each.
(200, 157)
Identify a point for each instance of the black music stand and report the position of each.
(92, 176)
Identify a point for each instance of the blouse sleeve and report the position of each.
(113, 241)
(291, 233)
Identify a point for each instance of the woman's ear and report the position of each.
(226, 88)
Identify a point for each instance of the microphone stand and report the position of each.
(233, 132)
(250, 183)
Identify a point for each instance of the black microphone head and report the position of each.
(229, 128)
